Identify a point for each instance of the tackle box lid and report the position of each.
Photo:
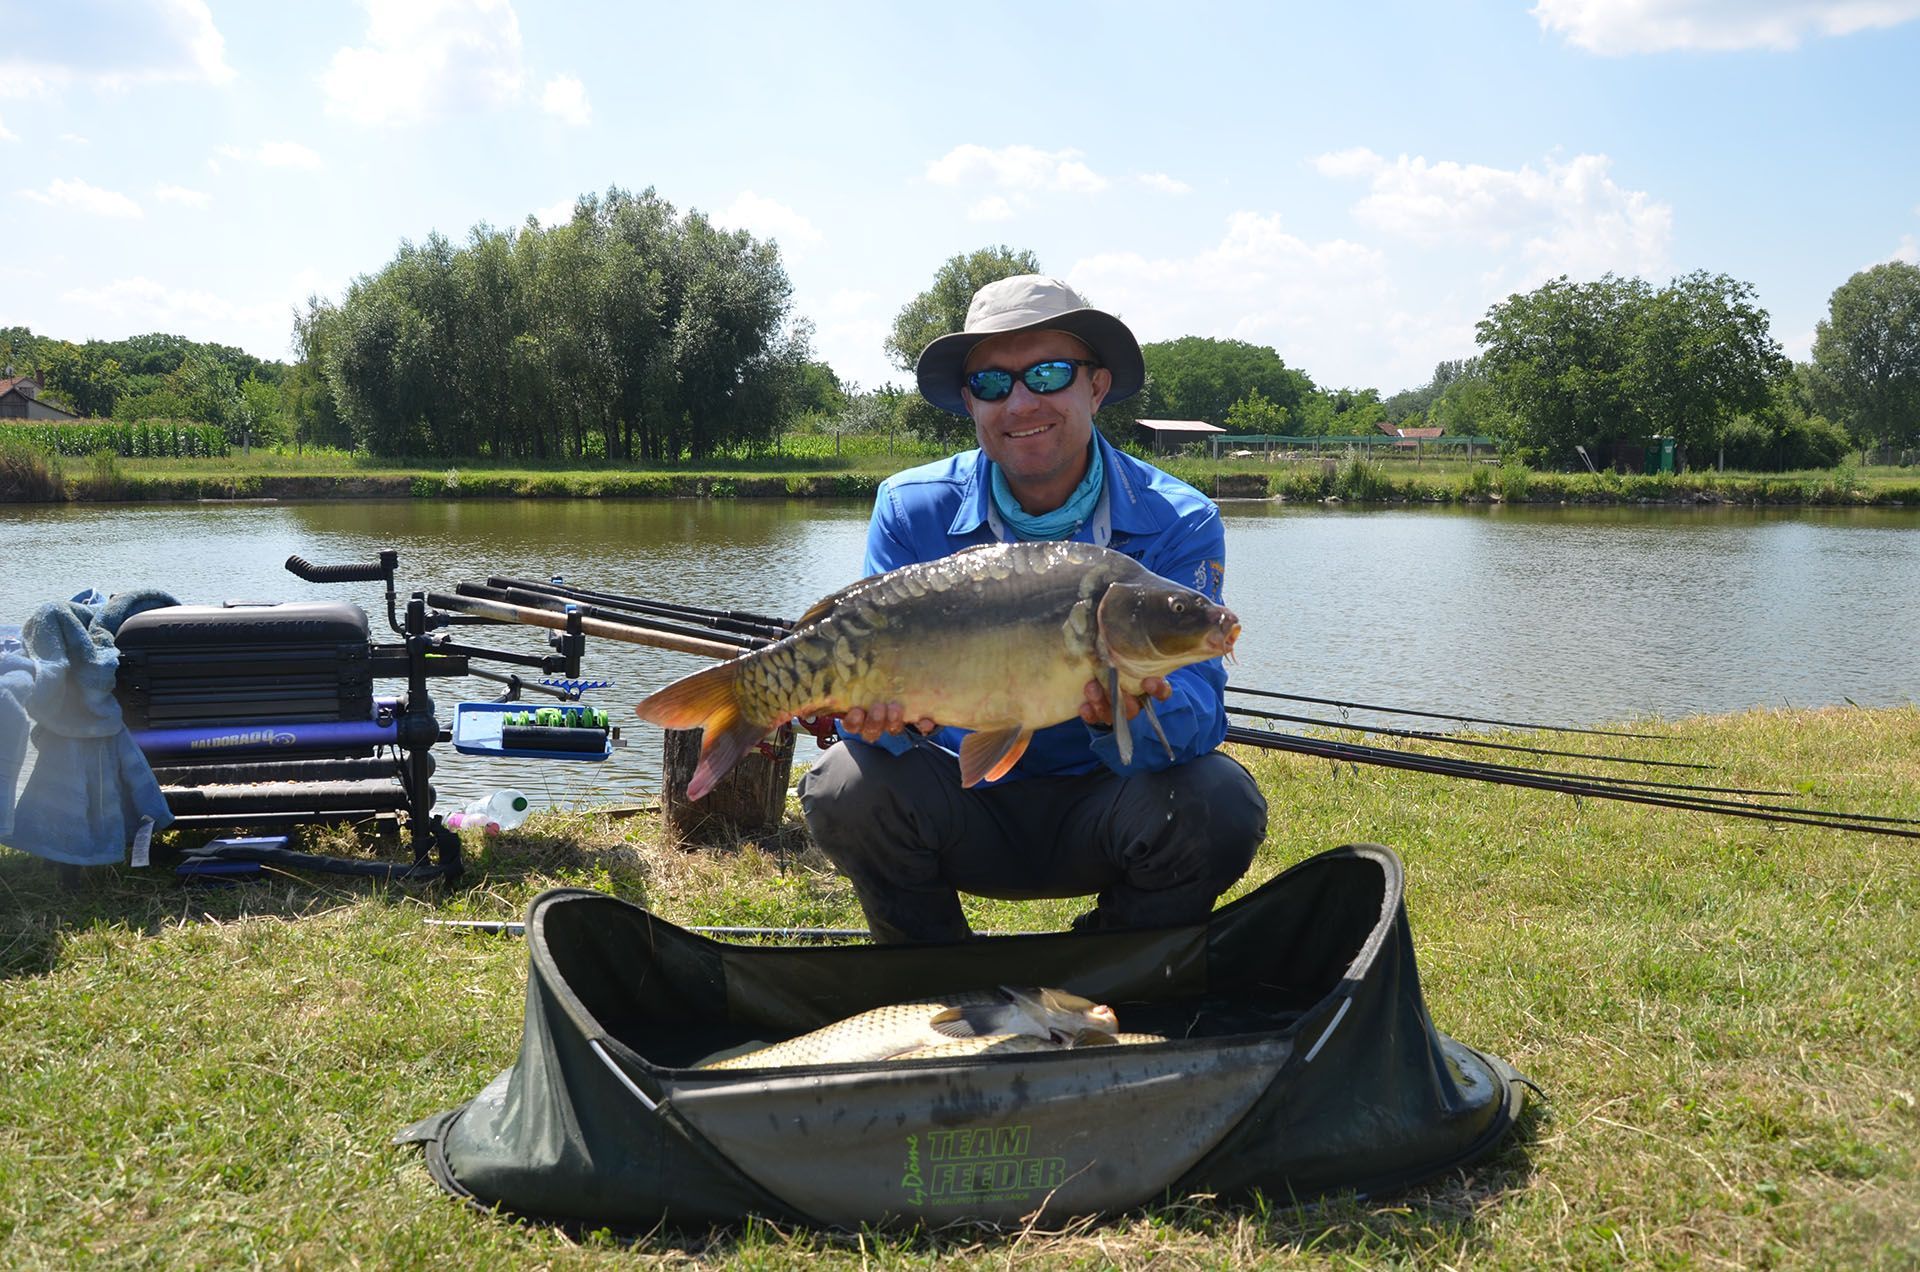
(287, 622)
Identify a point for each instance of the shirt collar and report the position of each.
(1122, 501)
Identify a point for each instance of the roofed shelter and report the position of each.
(20, 400)
(1171, 434)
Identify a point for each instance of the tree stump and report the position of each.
(750, 799)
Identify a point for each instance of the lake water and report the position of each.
(1567, 616)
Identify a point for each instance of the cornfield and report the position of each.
(148, 439)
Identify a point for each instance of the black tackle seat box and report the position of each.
(295, 661)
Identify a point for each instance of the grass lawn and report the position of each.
(1724, 1015)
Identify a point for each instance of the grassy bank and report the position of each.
(1725, 1018)
(818, 473)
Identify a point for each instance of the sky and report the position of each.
(1351, 184)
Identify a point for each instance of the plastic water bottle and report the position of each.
(502, 810)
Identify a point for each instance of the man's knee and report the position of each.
(1218, 803)
(858, 799)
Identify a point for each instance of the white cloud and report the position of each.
(141, 304)
(74, 139)
(82, 197)
(1162, 182)
(555, 213)
(1617, 27)
(272, 154)
(565, 98)
(426, 58)
(767, 218)
(1908, 251)
(1026, 169)
(850, 331)
(180, 194)
(1568, 217)
(1313, 302)
(992, 208)
(115, 45)
(6, 135)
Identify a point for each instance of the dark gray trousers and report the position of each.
(1155, 848)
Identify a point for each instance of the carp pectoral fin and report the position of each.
(989, 753)
(1153, 718)
(1122, 729)
(953, 1023)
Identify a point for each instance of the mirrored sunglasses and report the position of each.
(990, 384)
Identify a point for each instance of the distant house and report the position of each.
(1409, 438)
(20, 400)
(1171, 434)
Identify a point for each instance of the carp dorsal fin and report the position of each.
(989, 753)
(824, 606)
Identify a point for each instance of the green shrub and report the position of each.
(103, 478)
(28, 473)
(1514, 481)
(1362, 479)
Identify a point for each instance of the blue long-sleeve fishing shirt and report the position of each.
(935, 510)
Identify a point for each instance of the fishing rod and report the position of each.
(792, 935)
(1619, 780)
(1451, 739)
(1506, 776)
(541, 600)
(1704, 803)
(500, 611)
(1445, 715)
(740, 621)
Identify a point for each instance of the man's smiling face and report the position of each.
(1038, 440)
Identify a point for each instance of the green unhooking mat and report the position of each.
(1301, 1061)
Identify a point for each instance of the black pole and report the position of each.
(1444, 715)
(1508, 777)
(1450, 739)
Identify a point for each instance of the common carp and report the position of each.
(1014, 1044)
(1000, 639)
(975, 1021)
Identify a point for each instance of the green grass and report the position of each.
(807, 466)
(1725, 1017)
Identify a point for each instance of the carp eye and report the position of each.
(1179, 606)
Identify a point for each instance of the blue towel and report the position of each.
(90, 786)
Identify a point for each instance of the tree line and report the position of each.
(153, 377)
(631, 332)
(636, 333)
(1562, 367)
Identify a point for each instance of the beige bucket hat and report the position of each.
(1029, 302)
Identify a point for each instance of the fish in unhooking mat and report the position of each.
(1000, 639)
(969, 1022)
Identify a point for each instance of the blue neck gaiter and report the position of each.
(1062, 521)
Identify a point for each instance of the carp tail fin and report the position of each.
(706, 701)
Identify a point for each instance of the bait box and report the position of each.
(477, 726)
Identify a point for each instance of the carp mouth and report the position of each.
(1220, 639)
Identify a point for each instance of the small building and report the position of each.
(1172, 434)
(1409, 438)
(20, 400)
